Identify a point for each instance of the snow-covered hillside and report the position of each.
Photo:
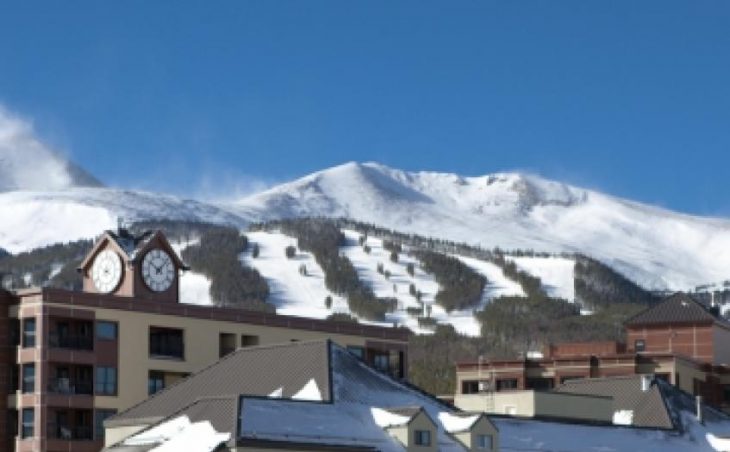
(304, 295)
(555, 273)
(32, 219)
(656, 248)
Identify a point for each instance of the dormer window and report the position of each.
(484, 442)
(422, 438)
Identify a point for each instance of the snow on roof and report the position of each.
(455, 423)
(310, 391)
(277, 393)
(385, 419)
(179, 434)
(159, 433)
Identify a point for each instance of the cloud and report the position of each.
(229, 185)
(26, 163)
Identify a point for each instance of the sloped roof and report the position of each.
(257, 371)
(344, 419)
(132, 245)
(678, 308)
(648, 407)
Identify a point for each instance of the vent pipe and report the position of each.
(698, 403)
(646, 382)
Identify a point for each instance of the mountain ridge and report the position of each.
(657, 248)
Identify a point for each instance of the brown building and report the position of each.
(72, 359)
(678, 340)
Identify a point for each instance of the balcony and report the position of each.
(71, 342)
(67, 386)
(69, 432)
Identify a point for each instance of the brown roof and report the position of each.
(256, 371)
(648, 406)
(678, 308)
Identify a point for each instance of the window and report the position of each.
(249, 341)
(640, 345)
(14, 378)
(357, 351)
(380, 362)
(28, 430)
(106, 381)
(166, 343)
(99, 417)
(155, 382)
(106, 331)
(28, 333)
(484, 442)
(469, 387)
(506, 384)
(226, 344)
(28, 378)
(422, 438)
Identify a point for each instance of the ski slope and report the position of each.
(291, 292)
(556, 274)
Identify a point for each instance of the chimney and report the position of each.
(646, 382)
(698, 403)
(714, 308)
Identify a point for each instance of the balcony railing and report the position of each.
(70, 432)
(67, 386)
(72, 342)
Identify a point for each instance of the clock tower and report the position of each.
(143, 267)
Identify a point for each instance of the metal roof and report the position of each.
(256, 371)
(648, 407)
(678, 308)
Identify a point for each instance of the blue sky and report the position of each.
(632, 98)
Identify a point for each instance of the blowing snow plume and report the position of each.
(26, 163)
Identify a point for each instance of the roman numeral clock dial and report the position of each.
(158, 270)
(106, 271)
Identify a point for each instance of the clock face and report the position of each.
(106, 271)
(158, 270)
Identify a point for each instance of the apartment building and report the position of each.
(75, 358)
(678, 340)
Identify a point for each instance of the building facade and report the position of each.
(74, 358)
(679, 340)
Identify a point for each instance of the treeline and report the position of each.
(53, 265)
(598, 286)
(233, 284)
(177, 231)
(323, 239)
(531, 285)
(460, 287)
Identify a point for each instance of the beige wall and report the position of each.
(116, 434)
(537, 403)
(201, 338)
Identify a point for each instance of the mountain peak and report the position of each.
(26, 163)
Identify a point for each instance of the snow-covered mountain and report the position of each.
(657, 248)
(26, 163)
(37, 218)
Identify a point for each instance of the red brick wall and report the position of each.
(570, 349)
(7, 358)
(695, 341)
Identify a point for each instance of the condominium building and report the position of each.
(678, 340)
(71, 359)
